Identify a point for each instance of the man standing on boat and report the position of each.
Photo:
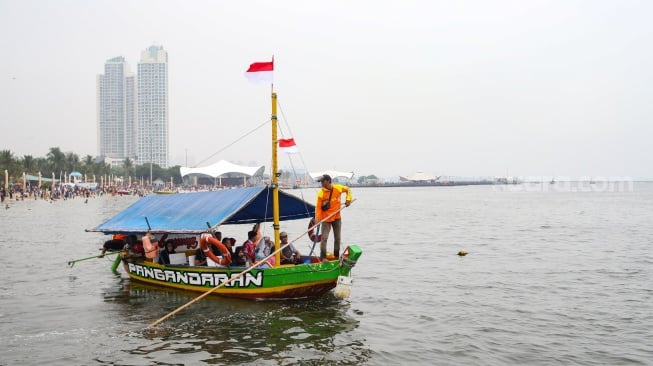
(328, 203)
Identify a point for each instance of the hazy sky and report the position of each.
(467, 88)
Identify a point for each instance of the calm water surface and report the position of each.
(556, 275)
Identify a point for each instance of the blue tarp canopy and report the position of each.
(190, 212)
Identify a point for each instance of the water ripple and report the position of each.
(551, 278)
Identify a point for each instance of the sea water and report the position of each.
(556, 275)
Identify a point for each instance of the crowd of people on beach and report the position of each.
(45, 193)
(58, 193)
(71, 191)
(67, 191)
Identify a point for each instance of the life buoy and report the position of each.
(226, 256)
(311, 232)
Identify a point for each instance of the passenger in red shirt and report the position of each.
(253, 236)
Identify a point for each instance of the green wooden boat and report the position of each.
(278, 282)
(186, 216)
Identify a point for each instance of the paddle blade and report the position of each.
(116, 262)
(343, 288)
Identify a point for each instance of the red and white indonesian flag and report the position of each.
(260, 72)
(288, 146)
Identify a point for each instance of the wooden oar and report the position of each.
(154, 324)
(116, 263)
(72, 262)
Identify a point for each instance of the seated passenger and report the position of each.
(240, 259)
(116, 243)
(229, 243)
(164, 256)
(264, 248)
(135, 246)
(253, 236)
(200, 258)
(289, 254)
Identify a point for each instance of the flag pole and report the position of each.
(275, 172)
(275, 179)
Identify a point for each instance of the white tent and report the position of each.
(334, 174)
(419, 177)
(222, 167)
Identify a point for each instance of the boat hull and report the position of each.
(280, 282)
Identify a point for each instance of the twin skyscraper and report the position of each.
(132, 110)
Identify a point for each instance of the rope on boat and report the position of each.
(290, 160)
(234, 142)
(347, 262)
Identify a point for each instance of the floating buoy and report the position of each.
(462, 253)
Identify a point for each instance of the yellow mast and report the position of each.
(275, 180)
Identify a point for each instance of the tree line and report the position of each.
(59, 162)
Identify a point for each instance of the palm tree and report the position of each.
(72, 162)
(6, 160)
(42, 165)
(88, 162)
(29, 164)
(89, 165)
(127, 166)
(57, 159)
(105, 169)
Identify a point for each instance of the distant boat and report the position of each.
(86, 185)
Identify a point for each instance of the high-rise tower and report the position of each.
(116, 110)
(153, 138)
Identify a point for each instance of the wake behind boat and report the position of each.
(185, 218)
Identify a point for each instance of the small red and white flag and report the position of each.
(288, 146)
(260, 72)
